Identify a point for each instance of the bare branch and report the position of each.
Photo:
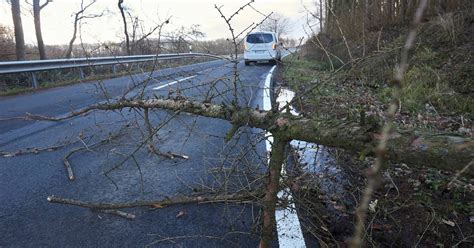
(387, 131)
(442, 151)
(235, 198)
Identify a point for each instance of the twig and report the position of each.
(141, 145)
(238, 11)
(32, 151)
(342, 34)
(172, 239)
(118, 213)
(466, 239)
(236, 198)
(381, 151)
(433, 216)
(70, 173)
(450, 184)
(66, 162)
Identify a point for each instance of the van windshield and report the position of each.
(259, 38)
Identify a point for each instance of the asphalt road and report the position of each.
(27, 219)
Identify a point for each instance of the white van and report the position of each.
(261, 46)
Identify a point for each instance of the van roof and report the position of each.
(262, 32)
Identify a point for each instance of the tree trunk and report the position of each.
(277, 158)
(402, 10)
(329, 18)
(389, 9)
(442, 151)
(19, 36)
(410, 9)
(39, 36)
(77, 18)
(365, 19)
(74, 34)
(320, 16)
(125, 30)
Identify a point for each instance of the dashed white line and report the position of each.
(174, 82)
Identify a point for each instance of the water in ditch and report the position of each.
(322, 190)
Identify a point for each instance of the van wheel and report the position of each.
(247, 63)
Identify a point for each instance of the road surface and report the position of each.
(27, 219)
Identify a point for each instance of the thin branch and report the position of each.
(235, 198)
(45, 4)
(118, 213)
(382, 149)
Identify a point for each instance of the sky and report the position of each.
(57, 18)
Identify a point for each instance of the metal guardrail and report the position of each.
(33, 66)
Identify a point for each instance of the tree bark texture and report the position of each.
(19, 36)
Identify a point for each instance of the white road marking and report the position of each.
(267, 102)
(288, 224)
(174, 82)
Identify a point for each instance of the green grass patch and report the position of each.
(302, 72)
(425, 86)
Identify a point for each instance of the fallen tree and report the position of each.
(442, 151)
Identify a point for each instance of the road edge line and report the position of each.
(289, 232)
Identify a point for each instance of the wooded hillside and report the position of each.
(350, 70)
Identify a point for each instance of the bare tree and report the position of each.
(140, 42)
(37, 7)
(137, 35)
(318, 14)
(125, 29)
(19, 36)
(277, 23)
(180, 39)
(7, 45)
(78, 16)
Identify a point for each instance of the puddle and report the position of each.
(327, 195)
(314, 160)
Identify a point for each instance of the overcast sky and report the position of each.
(57, 19)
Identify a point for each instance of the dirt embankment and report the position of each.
(414, 204)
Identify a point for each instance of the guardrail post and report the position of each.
(114, 69)
(34, 81)
(82, 73)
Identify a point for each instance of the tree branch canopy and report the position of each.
(443, 151)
